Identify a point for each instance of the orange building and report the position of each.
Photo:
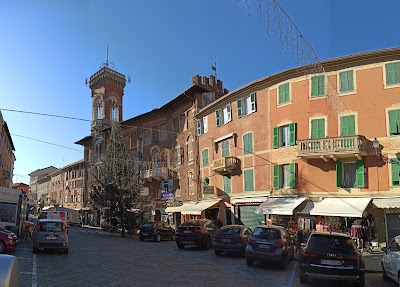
(7, 157)
(314, 146)
(22, 187)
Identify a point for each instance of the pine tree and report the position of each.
(120, 182)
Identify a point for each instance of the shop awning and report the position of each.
(309, 206)
(341, 206)
(280, 205)
(387, 202)
(172, 209)
(249, 200)
(197, 208)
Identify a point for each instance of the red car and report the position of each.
(8, 240)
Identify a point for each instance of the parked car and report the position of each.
(50, 234)
(156, 231)
(8, 240)
(332, 256)
(231, 238)
(195, 232)
(271, 244)
(391, 261)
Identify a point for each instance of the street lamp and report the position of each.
(378, 152)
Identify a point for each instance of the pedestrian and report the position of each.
(300, 238)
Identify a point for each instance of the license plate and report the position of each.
(226, 240)
(331, 262)
(51, 237)
(187, 231)
(264, 246)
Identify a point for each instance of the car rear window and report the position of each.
(326, 243)
(267, 233)
(229, 230)
(51, 226)
(148, 225)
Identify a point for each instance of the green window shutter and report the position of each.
(204, 155)
(321, 85)
(292, 134)
(350, 81)
(397, 73)
(392, 73)
(317, 86)
(281, 92)
(239, 108)
(321, 128)
(198, 123)
(314, 129)
(394, 122)
(314, 87)
(217, 117)
(276, 137)
(248, 144)
(227, 184)
(287, 93)
(276, 176)
(395, 164)
(225, 148)
(347, 126)
(343, 82)
(360, 179)
(284, 95)
(253, 102)
(292, 178)
(248, 180)
(338, 173)
(352, 125)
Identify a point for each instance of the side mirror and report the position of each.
(9, 271)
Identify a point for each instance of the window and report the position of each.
(285, 135)
(347, 125)
(191, 183)
(318, 86)
(164, 133)
(285, 176)
(182, 123)
(204, 156)
(114, 112)
(284, 94)
(248, 144)
(394, 122)
(155, 135)
(350, 175)
(392, 73)
(395, 164)
(247, 105)
(224, 116)
(202, 127)
(248, 180)
(317, 128)
(189, 144)
(177, 153)
(225, 148)
(346, 81)
(227, 184)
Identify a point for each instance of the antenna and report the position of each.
(107, 63)
(214, 68)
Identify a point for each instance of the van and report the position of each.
(55, 214)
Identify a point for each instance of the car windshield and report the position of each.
(51, 226)
(323, 243)
(229, 230)
(267, 233)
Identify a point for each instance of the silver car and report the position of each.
(391, 261)
(50, 234)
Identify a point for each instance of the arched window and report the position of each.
(189, 144)
(98, 109)
(114, 111)
(191, 183)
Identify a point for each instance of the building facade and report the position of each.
(7, 156)
(56, 188)
(22, 187)
(311, 136)
(72, 195)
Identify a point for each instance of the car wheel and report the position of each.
(2, 247)
(158, 237)
(180, 246)
(303, 280)
(249, 262)
(141, 238)
(208, 244)
(65, 251)
(217, 252)
(384, 275)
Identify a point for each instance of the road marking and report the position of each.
(34, 271)
(291, 280)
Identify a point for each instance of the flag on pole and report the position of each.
(214, 68)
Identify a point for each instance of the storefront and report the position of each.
(245, 210)
(282, 210)
(174, 212)
(210, 209)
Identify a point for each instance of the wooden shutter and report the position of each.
(205, 125)
(314, 129)
(352, 125)
(225, 148)
(393, 120)
(248, 180)
(390, 74)
(321, 85)
(292, 176)
(343, 82)
(248, 143)
(350, 80)
(239, 108)
(276, 176)
(276, 137)
(199, 127)
(205, 157)
(253, 102)
(314, 86)
(292, 133)
(395, 164)
(338, 173)
(217, 117)
(360, 178)
(227, 184)
(228, 113)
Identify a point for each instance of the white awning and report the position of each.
(197, 208)
(280, 205)
(172, 209)
(341, 206)
(309, 206)
(387, 202)
(48, 207)
(244, 200)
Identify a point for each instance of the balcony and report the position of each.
(101, 123)
(226, 165)
(151, 170)
(334, 148)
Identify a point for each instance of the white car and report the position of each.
(391, 261)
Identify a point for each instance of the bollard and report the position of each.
(9, 271)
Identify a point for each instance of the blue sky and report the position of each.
(48, 49)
